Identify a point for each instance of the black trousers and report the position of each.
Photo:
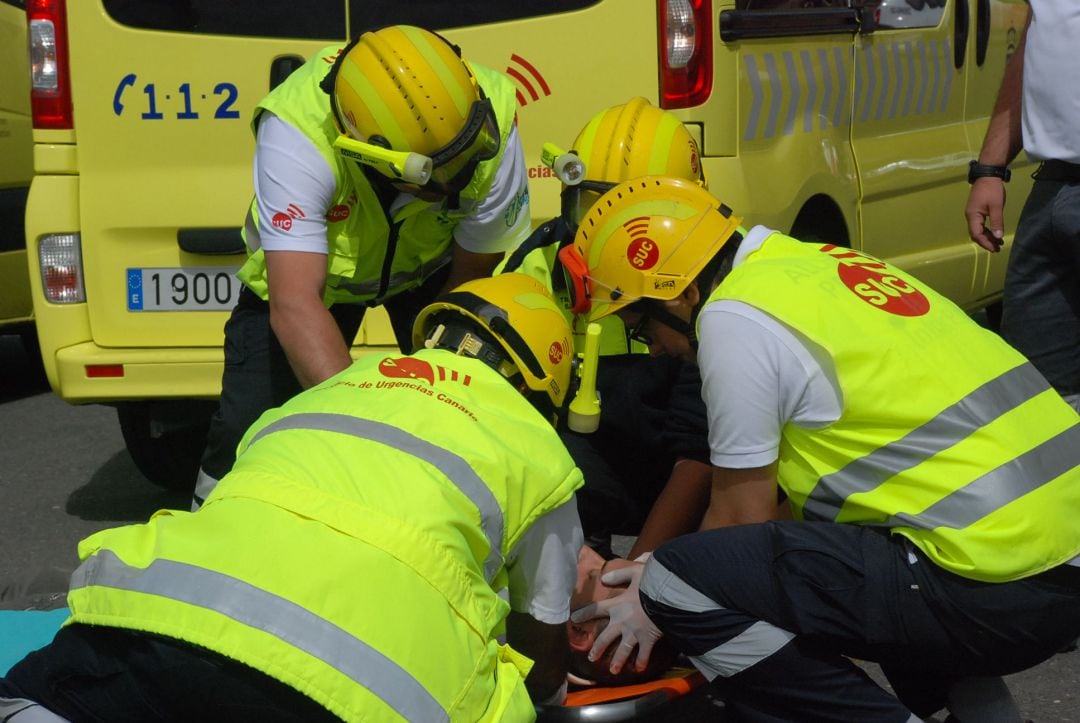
(93, 673)
(774, 611)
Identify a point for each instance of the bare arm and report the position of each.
(549, 648)
(1003, 141)
(679, 507)
(467, 265)
(303, 325)
(742, 496)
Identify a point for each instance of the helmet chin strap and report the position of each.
(463, 342)
(656, 311)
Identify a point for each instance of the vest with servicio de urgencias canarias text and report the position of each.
(946, 434)
(358, 231)
(356, 549)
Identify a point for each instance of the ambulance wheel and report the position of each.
(166, 439)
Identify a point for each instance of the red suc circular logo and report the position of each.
(556, 352)
(282, 221)
(338, 213)
(643, 253)
(885, 291)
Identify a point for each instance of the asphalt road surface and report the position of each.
(64, 474)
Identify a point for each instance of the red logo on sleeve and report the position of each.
(283, 220)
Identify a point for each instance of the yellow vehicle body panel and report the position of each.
(16, 169)
(839, 136)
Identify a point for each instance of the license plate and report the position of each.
(191, 288)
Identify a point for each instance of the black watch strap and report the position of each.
(978, 170)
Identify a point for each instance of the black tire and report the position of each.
(166, 440)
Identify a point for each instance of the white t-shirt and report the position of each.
(292, 177)
(758, 375)
(542, 567)
(1051, 104)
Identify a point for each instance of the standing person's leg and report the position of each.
(257, 376)
(1041, 305)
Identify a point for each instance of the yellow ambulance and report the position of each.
(844, 120)
(16, 169)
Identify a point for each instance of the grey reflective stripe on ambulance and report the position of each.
(370, 287)
(262, 610)
(786, 89)
(951, 426)
(898, 79)
(751, 646)
(452, 465)
(891, 80)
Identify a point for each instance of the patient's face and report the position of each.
(588, 590)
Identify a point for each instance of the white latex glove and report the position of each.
(627, 620)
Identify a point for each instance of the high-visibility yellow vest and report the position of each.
(946, 434)
(358, 230)
(355, 550)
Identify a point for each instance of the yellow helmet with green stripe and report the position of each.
(634, 139)
(406, 90)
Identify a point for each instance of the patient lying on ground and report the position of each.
(588, 590)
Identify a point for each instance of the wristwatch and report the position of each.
(981, 170)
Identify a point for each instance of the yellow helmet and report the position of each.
(533, 335)
(404, 90)
(645, 239)
(631, 140)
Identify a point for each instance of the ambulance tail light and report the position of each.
(50, 81)
(685, 52)
(60, 258)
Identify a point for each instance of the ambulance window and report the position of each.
(444, 14)
(788, 5)
(21, 4)
(314, 19)
(320, 19)
(910, 13)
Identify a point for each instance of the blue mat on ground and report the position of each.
(22, 631)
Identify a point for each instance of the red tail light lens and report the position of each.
(50, 81)
(685, 52)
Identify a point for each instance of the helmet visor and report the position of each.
(578, 199)
(453, 164)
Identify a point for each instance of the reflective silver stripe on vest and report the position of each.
(999, 487)
(370, 287)
(455, 467)
(951, 426)
(285, 620)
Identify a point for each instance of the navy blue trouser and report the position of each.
(94, 673)
(772, 613)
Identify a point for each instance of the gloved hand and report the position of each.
(627, 620)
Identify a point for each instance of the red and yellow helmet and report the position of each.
(645, 239)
